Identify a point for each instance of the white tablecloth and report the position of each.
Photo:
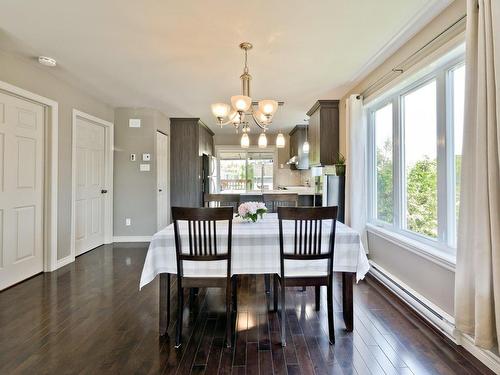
(255, 250)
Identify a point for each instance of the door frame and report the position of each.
(108, 176)
(168, 175)
(50, 172)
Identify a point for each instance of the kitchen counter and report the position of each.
(258, 192)
(307, 195)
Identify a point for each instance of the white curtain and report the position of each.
(477, 279)
(356, 166)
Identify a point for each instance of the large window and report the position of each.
(415, 140)
(383, 163)
(420, 159)
(242, 171)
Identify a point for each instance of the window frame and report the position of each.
(446, 182)
(232, 148)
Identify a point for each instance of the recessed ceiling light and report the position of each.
(47, 61)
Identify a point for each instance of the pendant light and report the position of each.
(262, 140)
(245, 141)
(305, 145)
(280, 141)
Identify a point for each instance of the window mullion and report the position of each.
(398, 201)
(450, 162)
(442, 157)
(372, 186)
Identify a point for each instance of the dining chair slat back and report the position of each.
(222, 200)
(273, 201)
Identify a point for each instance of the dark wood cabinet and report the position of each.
(324, 132)
(190, 139)
(297, 138)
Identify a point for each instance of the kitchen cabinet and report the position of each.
(324, 132)
(297, 138)
(190, 139)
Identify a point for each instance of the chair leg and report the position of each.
(275, 292)
(168, 304)
(180, 308)
(267, 283)
(317, 296)
(331, 330)
(228, 313)
(283, 313)
(192, 296)
(234, 291)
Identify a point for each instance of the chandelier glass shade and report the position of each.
(261, 112)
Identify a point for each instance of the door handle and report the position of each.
(104, 191)
(160, 190)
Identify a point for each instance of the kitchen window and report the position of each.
(415, 147)
(246, 171)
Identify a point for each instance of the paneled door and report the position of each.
(21, 189)
(162, 179)
(89, 185)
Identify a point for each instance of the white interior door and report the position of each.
(21, 189)
(89, 185)
(162, 179)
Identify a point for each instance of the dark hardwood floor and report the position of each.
(90, 317)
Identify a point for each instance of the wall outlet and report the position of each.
(128, 221)
(132, 157)
(146, 157)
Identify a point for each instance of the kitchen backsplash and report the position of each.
(287, 177)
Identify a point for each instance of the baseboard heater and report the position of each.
(429, 311)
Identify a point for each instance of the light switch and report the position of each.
(132, 157)
(134, 122)
(146, 157)
(144, 168)
(128, 221)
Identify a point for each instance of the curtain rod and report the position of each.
(399, 68)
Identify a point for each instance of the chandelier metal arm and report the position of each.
(229, 121)
(257, 122)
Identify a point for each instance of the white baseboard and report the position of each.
(489, 358)
(440, 319)
(62, 262)
(132, 238)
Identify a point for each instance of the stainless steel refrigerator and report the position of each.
(333, 189)
(209, 174)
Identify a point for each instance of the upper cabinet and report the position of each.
(297, 138)
(324, 132)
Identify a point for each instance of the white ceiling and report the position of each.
(181, 56)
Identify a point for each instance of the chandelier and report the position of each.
(242, 107)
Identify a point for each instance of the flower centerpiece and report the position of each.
(251, 211)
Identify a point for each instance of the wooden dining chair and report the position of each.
(306, 246)
(222, 200)
(273, 201)
(202, 246)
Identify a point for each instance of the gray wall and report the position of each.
(134, 191)
(29, 75)
(431, 280)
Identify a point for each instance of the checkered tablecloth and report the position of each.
(255, 250)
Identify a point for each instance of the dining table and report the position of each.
(255, 250)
